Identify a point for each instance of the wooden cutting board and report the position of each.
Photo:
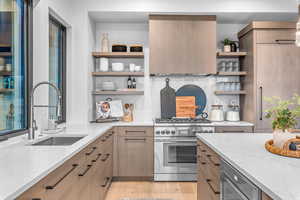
(186, 106)
(167, 101)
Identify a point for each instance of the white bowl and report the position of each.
(117, 67)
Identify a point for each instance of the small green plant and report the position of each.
(226, 42)
(283, 112)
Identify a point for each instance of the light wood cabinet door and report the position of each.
(234, 129)
(277, 75)
(182, 44)
(136, 155)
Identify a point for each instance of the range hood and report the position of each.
(298, 27)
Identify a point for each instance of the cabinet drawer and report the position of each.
(234, 129)
(136, 131)
(205, 191)
(59, 185)
(276, 36)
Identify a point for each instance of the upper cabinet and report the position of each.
(182, 44)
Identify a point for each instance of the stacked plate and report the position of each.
(108, 86)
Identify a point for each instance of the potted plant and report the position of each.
(226, 42)
(284, 115)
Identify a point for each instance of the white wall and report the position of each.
(41, 48)
(81, 36)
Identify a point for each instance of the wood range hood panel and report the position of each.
(181, 44)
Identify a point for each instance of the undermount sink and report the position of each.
(58, 141)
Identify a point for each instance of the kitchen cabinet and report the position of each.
(182, 44)
(272, 57)
(208, 173)
(208, 184)
(135, 153)
(234, 129)
(87, 175)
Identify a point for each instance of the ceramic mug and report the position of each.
(131, 67)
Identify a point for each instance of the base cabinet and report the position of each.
(135, 153)
(208, 184)
(86, 176)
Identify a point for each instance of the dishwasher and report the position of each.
(235, 186)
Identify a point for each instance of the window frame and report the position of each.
(28, 26)
(63, 62)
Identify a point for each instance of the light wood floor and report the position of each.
(165, 190)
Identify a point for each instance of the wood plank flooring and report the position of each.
(165, 190)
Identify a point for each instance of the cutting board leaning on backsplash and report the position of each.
(168, 101)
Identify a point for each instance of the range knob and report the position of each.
(163, 132)
(173, 132)
(167, 132)
(157, 132)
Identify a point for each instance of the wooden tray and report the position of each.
(186, 106)
(285, 150)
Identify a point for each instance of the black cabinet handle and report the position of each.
(36, 199)
(106, 157)
(284, 41)
(97, 158)
(86, 170)
(103, 140)
(51, 187)
(90, 153)
(261, 104)
(135, 131)
(215, 164)
(211, 187)
(135, 139)
(107, 180)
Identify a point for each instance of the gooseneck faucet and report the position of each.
(33, 126)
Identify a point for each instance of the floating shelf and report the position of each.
(4, 90)
(5, 73)
(117, 73)
(230, 92)
(232, 73)
(231, 54)
(118, 54)
(119, 92)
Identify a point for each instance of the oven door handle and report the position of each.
(232, 185)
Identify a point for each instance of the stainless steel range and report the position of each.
(176, 148)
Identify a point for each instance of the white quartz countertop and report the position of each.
(22, 165)
(276, 175)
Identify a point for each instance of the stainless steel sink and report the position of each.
(58, 141)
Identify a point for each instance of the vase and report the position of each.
(227, 48)
(280, 137)
(105, 43)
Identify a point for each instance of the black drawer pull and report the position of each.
(51, 187)
(135, 132)
(89, 153)
(107, 180)
(215, 164)
(135, 139)
(36, 199)
(86, 170)
(104, 139)
(106, 157)
(97, 158)
(211, 187)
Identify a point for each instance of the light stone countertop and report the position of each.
(22, 165)
(277, 176)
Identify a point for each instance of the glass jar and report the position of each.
(217, 113)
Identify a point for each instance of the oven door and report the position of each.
(176, 155)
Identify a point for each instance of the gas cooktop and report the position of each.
(182, 120)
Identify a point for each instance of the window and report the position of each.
(14, 62)
(57, 65)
